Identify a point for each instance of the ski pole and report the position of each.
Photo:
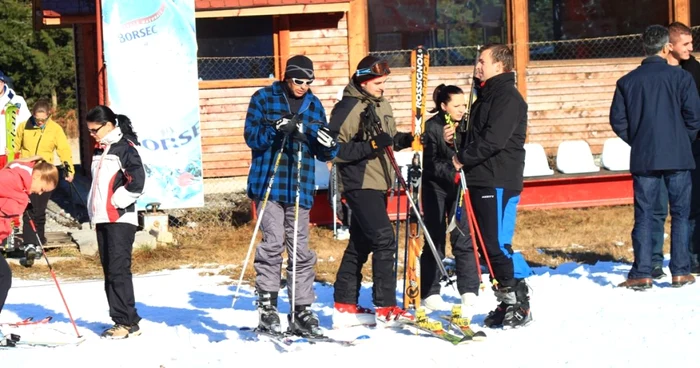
(258, 222)
(398, 227)
(406, 237)
(53, 274)
(474, 227)
(334, 197)
(74, 189)
(471, 217)
(292, 298)
(390, 155)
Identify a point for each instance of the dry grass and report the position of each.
(68, 120)
(545, 237)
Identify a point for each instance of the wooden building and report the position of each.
(566, 65)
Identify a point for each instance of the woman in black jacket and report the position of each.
(439, 199)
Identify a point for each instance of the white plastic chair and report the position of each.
(575, 157)
(536, 161)
(616, 155)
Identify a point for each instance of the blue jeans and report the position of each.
(694, 233)
(660, 213)
(657, 230)
(647, 189)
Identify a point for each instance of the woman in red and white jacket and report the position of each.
(118, 179)
(18, 180)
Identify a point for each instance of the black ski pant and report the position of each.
(5, 281)
(370, 232)
(37, 212)
(115, 242)
(438, 209)
(495, 211)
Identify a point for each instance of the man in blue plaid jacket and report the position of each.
(286, 109)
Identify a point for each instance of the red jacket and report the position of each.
(15, 181)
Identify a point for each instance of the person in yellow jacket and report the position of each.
(41, 136)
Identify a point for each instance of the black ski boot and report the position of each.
(519, 315)
(269, 320)
(305, 322)
(506, 298)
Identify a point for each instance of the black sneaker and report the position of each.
(657, 273)
(305, 323)
(695, 270)
(29, 256)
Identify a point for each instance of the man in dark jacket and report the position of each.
(492, 155)
(656, 110)
(681, 40)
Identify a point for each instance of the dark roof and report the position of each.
(69, 7)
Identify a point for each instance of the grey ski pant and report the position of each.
(277, 226)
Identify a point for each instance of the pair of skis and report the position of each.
(458, 333)
(14, 340)
(286, 339)
(27, 322)
(420, 63)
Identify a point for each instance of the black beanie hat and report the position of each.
(365, 63)
(300, 67)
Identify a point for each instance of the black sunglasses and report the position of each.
(43, 120)
(301, 82)
(94, 131)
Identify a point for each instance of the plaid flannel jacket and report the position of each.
(268, 105)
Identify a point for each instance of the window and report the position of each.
(235, 48)
(574, 29)
(451, 29)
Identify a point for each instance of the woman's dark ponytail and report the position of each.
(443, 94)
(127, 129)
(436, 98)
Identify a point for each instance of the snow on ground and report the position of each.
(581, 320)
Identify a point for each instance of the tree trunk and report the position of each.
(54, 99)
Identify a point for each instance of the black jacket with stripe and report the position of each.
(492, 151)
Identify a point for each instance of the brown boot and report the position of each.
(637, 284)
(678, 281)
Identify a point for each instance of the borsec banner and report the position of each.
(150, 49)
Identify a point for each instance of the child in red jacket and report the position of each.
(18, 179)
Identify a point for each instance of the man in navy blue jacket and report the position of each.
(656, 110)
(286, 109)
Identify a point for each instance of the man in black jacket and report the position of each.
(656, 110)
(493, 158)
(681, 40)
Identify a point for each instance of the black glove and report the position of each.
(299, 136)
(286, 125)
(380, 141)
(324, 137)
(403, 140)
